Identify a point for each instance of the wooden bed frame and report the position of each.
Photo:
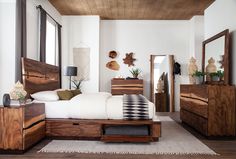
(38, 76)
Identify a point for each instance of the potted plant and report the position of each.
(217, 76)
(198, 76)
(135, 72)
(77, 84)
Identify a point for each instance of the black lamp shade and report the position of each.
(71, 71)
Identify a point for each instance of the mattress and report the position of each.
(89, 106)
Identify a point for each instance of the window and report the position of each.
(51, 51)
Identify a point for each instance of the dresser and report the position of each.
(130, 86)
(22, 126)
(210, 109)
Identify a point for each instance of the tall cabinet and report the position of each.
(210, 109)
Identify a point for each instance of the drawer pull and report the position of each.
(75, 123)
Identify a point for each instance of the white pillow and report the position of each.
(45, 96)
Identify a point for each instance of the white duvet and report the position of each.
(100, 105)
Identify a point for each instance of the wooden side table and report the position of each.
(22, 126)
(161, 102)
(131, 86)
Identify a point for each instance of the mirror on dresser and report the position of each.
(215, 58)
(162, 82)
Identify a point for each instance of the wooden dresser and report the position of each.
(131, 86)
(21, 127)
(210, 109)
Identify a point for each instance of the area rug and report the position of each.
(174, 140)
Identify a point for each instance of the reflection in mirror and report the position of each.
(214, 50)
(215, 58)
(162, 82)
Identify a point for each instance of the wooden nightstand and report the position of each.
(131, 86)
(22, 126)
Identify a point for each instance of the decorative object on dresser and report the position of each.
(18, 93)
(192, 68)
(21, 127)
(131, 86)
(135, 72)
(129, 60)
(6, 100)
(216, 49)
(70, 71)
(198, 76)
(210, 109)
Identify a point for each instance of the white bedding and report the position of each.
(90, 106)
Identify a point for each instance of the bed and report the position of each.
(81, 118)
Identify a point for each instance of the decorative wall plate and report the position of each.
(129, 60)
(113, 65)
(112, 54)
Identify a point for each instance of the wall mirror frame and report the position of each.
(168, 78)
(225, 52)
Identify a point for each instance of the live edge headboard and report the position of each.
(38, 76)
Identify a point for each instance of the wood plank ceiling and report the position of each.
(134, 9)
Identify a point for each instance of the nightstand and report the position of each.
(21, 127)
(131, 86)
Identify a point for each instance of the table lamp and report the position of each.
(70, 71)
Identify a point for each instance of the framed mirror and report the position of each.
(215, 57)
(162, 82)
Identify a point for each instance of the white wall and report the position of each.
(81, 31)
(33, 23)
(143, 38)
(196, 38)
(218, 17)
(7, 46)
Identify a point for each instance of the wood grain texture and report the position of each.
(38, 76)
(197, 122)
(33, 113)
(72, 128)
(14, 135)
(209, 108)
(161, 102)
(119, 87)
(33, 134)
(133, 9)
(221, 115)
(195, 106)
(13, 128)
(92, 129)
(1, 128)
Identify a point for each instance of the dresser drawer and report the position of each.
(33, 113)
(195, 106)
(197, 122)
(33, 134)
(199, 92)
(72, 129)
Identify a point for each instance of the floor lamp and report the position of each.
(70, 71)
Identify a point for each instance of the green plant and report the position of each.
(219, 73)
(77, 83)
(135, 72)
(198, 74)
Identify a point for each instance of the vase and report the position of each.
(215, 78)
(199, 80)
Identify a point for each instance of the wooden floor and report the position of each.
(225, 147)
